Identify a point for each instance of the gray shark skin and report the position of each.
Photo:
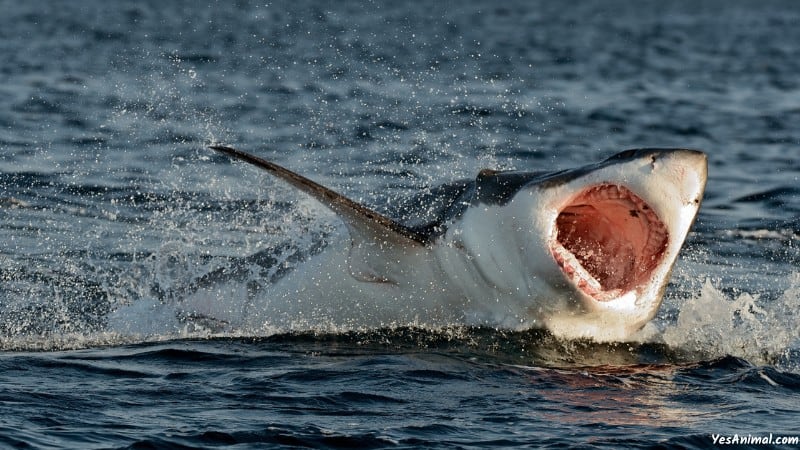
(584, 252)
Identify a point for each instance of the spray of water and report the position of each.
(714, 324)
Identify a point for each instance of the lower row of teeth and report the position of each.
(567, 261)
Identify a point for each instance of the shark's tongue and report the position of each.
(608, 241)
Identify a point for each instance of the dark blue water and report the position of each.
(111, 205)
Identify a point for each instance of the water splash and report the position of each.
(714, 324)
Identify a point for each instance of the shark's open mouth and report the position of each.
(608, 241)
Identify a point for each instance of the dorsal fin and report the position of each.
(372, 233)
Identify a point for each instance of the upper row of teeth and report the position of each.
(656, 235)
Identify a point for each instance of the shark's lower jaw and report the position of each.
(608, 241)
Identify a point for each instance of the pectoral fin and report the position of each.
(376, 239)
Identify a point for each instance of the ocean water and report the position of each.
(111, 206)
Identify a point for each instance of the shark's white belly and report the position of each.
(321, 294)
(432, 287)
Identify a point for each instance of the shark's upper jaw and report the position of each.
(608, 241)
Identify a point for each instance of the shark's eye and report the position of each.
(608, 240)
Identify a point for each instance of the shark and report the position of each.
(585, 252)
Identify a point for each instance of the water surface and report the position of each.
(109, 198)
